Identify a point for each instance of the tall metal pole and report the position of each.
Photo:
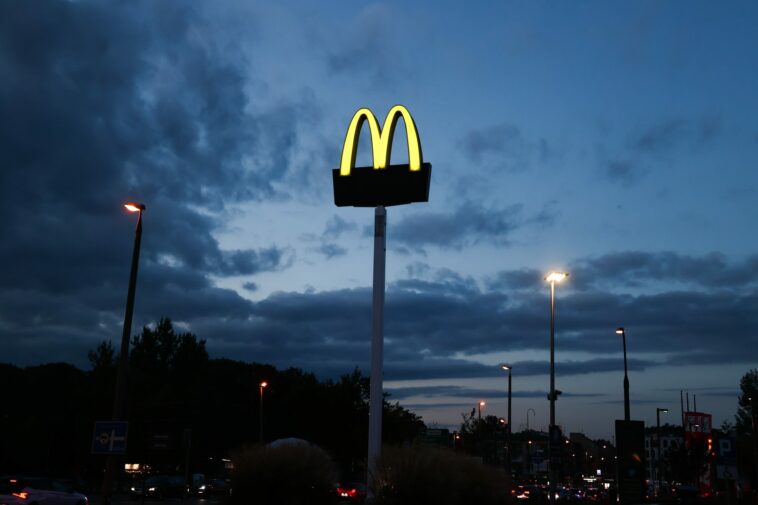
(377, 346)
(626, 380)
(260, 413)
(658, 436)
(754, 416)
(681, 401)
(119, 398)
(510, 419)
(552, 393)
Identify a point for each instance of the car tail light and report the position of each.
(343, 491)
(21, 495)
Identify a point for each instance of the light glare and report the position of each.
(556, 276)
(134, 206)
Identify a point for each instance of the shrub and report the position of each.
(439, 476)
(295, 474)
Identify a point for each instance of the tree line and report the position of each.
(182, 406)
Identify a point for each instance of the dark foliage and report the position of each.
(295, 474)
(181, 400)
(426, 475)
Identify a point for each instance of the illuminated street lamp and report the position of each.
(481, 406)
(119, 397)
(263, 386)
(622, 332)
(552, 278)
(509, 369)
(658, 435)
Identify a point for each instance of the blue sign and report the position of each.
(109, 437)
(726, 450)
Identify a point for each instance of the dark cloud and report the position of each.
(432, 321)
(656, 146)
(365, 47)
(638, 268)
(337, 226)
(452, 391)
(504, 146)
(669, 134)
(103, 103)
(248, 262)
(470, 223)
(624, 172)
(525, 278)
(660, 137)
(332, 250)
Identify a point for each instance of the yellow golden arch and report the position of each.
(381, 140)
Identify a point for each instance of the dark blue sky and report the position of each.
(615, 140)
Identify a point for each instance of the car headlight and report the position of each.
(202, 488)
(151, 489)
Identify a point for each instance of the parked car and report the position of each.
(214, 487)
(21, 490)
(351, 492)
(161, 487)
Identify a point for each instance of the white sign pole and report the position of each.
(377, 345)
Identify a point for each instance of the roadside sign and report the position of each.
(109, 437)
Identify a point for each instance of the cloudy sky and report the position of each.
(614, 140)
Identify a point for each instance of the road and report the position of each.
(127, 500)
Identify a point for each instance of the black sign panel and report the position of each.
(630, 443)
(370, 187)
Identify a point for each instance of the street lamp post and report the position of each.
(622, 332)
(119, 397)
(263, 386)
(658, 435)
(529, 445)
(527, 417)
(481, 404)
(552, 278)
(509, 369)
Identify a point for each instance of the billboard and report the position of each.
(698, 438)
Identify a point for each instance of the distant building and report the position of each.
(672, 439)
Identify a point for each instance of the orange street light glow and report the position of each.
(556, 276)
(264, 384)
(134, 207)
(482, 404)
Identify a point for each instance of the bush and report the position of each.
(439, 476)
(295, 474)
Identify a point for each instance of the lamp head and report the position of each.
(620, 330)
(264, 384)
(556, 276)
(134, 206)
(506, 367)
(482, 403)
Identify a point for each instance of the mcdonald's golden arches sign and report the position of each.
(383, 183)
